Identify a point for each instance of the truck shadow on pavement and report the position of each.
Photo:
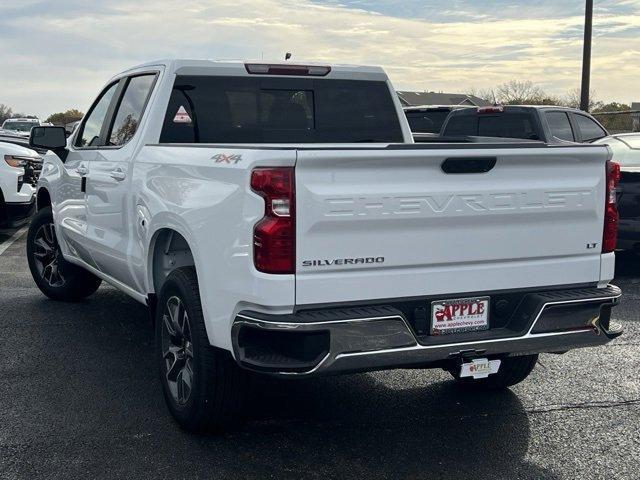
(91, 391)
(370, 426)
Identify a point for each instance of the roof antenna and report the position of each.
(287, 56)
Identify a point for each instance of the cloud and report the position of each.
(56, 56)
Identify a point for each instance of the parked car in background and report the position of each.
(626, 152)
(19, 171)
(20, 126)
(429, 118)
(550, 124)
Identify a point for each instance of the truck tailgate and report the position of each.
(390, 223)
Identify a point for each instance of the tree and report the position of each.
(611, 107)
(573, 99)
(5, 112)
(621, 122)
(62, 118)
(517, 92)
(486, 94)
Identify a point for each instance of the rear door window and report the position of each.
(209, 109)
(130, 109)
(560, 125)
(589, 129)
(508, 125)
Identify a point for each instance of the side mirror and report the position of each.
(50, 138)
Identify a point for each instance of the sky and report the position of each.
(56, 55)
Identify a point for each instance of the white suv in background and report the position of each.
(21, 126)
(19, 171)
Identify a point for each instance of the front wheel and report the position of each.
(54, 276)
(512, 370)
(203, 387)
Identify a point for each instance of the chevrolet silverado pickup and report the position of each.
(278, 219)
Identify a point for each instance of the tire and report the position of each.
(54, 276)
(202, 385)
(513, 370)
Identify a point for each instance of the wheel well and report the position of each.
(170, 251)
(43, 199)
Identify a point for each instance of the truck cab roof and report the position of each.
(515, 108)
(186, 66)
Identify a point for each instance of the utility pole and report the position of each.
(586, 56)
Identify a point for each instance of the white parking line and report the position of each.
(7, 243)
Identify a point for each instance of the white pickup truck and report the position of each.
(279, 219)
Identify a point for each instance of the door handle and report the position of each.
(118, 174)
(82, 170)
(469, 165)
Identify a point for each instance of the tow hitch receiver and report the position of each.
(479, 368)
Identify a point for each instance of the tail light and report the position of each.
(274, 238)
(610, 233)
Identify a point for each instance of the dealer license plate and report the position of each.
(459, 315)
(479, 368)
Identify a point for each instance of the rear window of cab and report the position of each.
(218, 109)
(502, 125)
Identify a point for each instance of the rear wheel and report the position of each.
(512, 370)
(203, 387)
(55, 277)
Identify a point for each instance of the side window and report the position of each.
(589, 129)
(560, 125)
(89, 134)
(130, 109)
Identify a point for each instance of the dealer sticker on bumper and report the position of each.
(459, 315)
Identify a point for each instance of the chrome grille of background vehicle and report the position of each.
(32, 170)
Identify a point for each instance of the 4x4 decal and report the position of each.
(224, 158)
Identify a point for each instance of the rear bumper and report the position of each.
(324, 341)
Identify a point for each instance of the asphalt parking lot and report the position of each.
(80, 399)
